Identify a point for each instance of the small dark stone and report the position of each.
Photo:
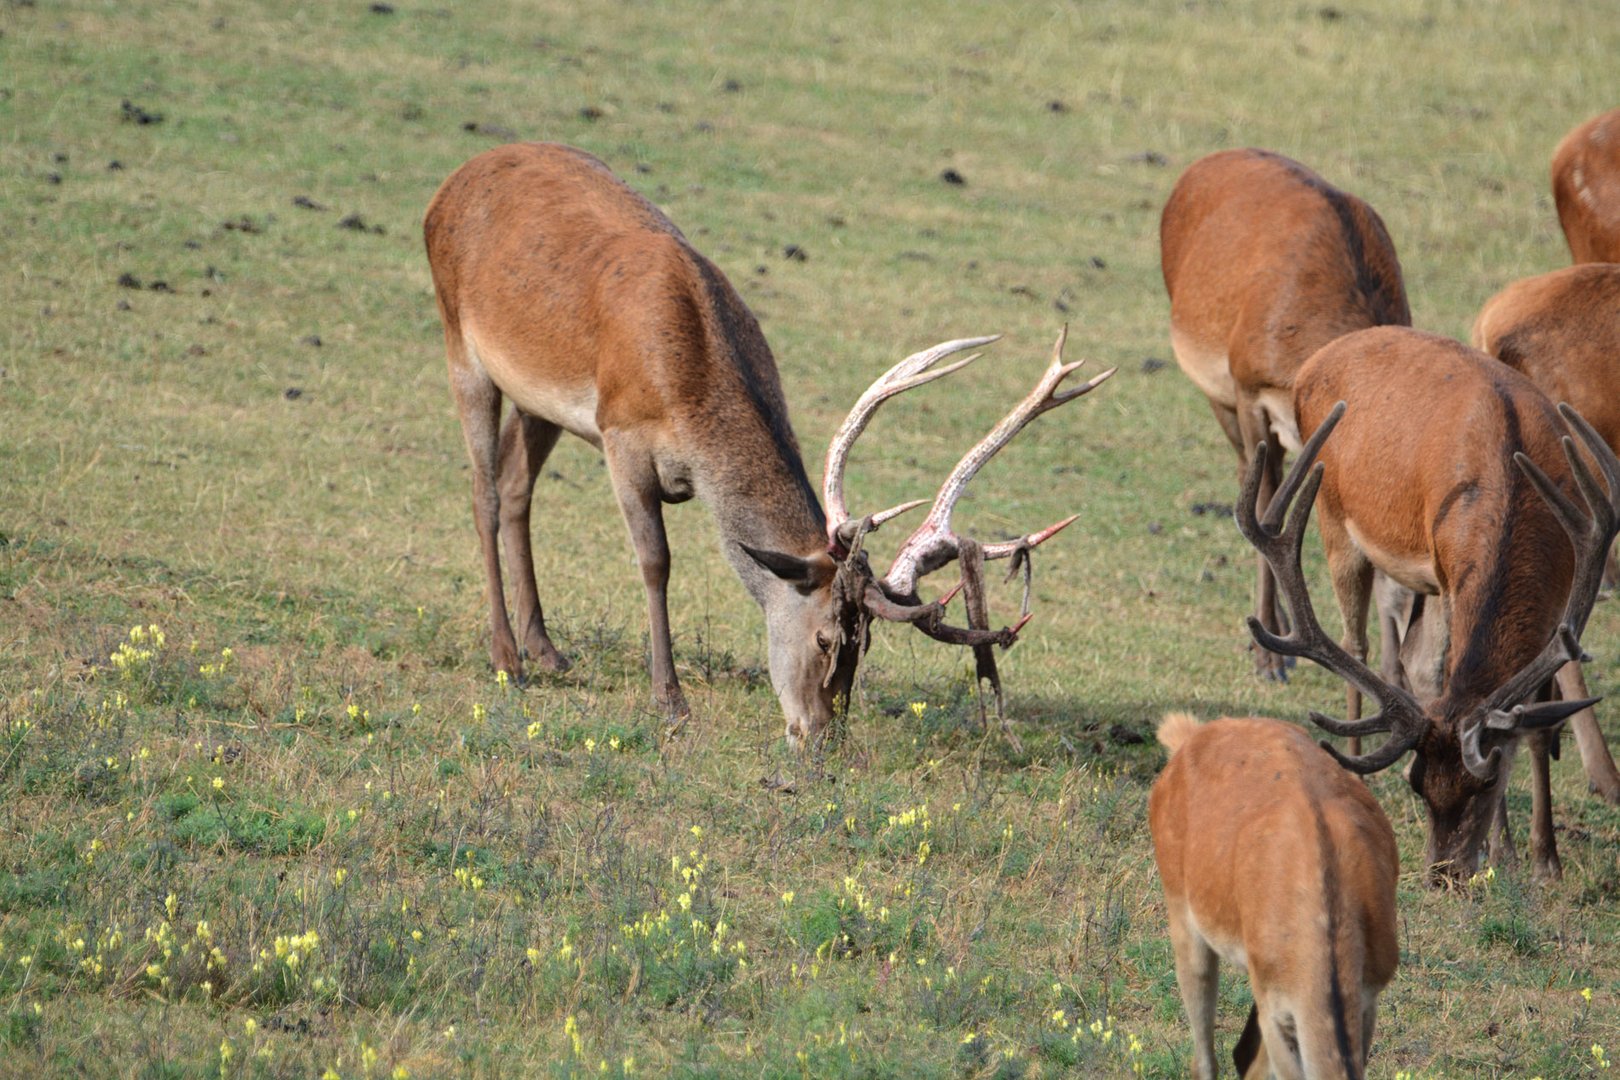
(304, 202)
(1329, 13)
(703, 127)
(115, 165)
(411, 111)
(951, 176)
(355, 223)
(1125, 736)
(837, 221)
(1061, 306)
(643, 168)
(53, 178)
(494, 131)
(192, 245)
(134, 114)
(243, 224)
(292, 393)
(213, 273)
(795, 253)
(1150, 157)
(1219, 508)
(590, 112)
(1023, 290)
(1155, 528)
(126, 280)
(160, 286)
(312, 340)
(762, 269)
(1056, 106)
(125, 305)
(381, 9)
(196, 350)
(1097, 263)
(1150, 364)
(60, 158)
(731, 86)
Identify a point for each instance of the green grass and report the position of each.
(476, 880)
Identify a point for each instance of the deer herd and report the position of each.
(1471, 495)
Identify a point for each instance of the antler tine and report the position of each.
(1281, 546)
(933, 544)
(1005, 548)
(1591, 534)
(911, 372)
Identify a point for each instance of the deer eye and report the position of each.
(823, 642)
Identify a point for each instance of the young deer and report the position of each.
(1276, 860)
(1562, 330)
(1586, 188)
(567, 292)
(1265, 262)
(1469, 511)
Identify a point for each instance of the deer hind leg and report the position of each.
(478, 401)
(526, 442)
(1595, 758)
(1198, 975)
(635, 483)
(1280, 1053)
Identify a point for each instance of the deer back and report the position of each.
(1285, 863)
(1420, 473)
(1586, 188)
(588, 308)
(1265, 262)
(1562, 330)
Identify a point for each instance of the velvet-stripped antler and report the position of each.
(913, 371)
(1399, 712)
(933, 543)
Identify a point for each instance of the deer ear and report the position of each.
(808, 573)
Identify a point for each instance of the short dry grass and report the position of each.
(299, 828)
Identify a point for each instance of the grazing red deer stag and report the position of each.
(1276, 860)
(567, 292)
(1586, 188)
(1468, 509)
(1265, 262)
(1562, 330)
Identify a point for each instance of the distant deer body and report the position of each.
(1450, 473)
(1265, 262)
(565, 291)
(1562, 330)
(1278, 861)
(1586, 188)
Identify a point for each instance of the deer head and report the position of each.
(1460, 745)
(820, 629)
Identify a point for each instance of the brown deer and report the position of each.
(1562, 330)
(1265, 262)
(562, 289)
(1586, 188)
(1467, 507)
(1276, 860)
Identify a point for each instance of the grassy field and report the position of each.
(298, 828)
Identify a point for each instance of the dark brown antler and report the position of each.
(1399, 712)
(1592, 535)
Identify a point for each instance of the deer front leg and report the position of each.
(1544, 861)
(1595, 758)
(526, 442)
(635, 483)
(479, 403)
